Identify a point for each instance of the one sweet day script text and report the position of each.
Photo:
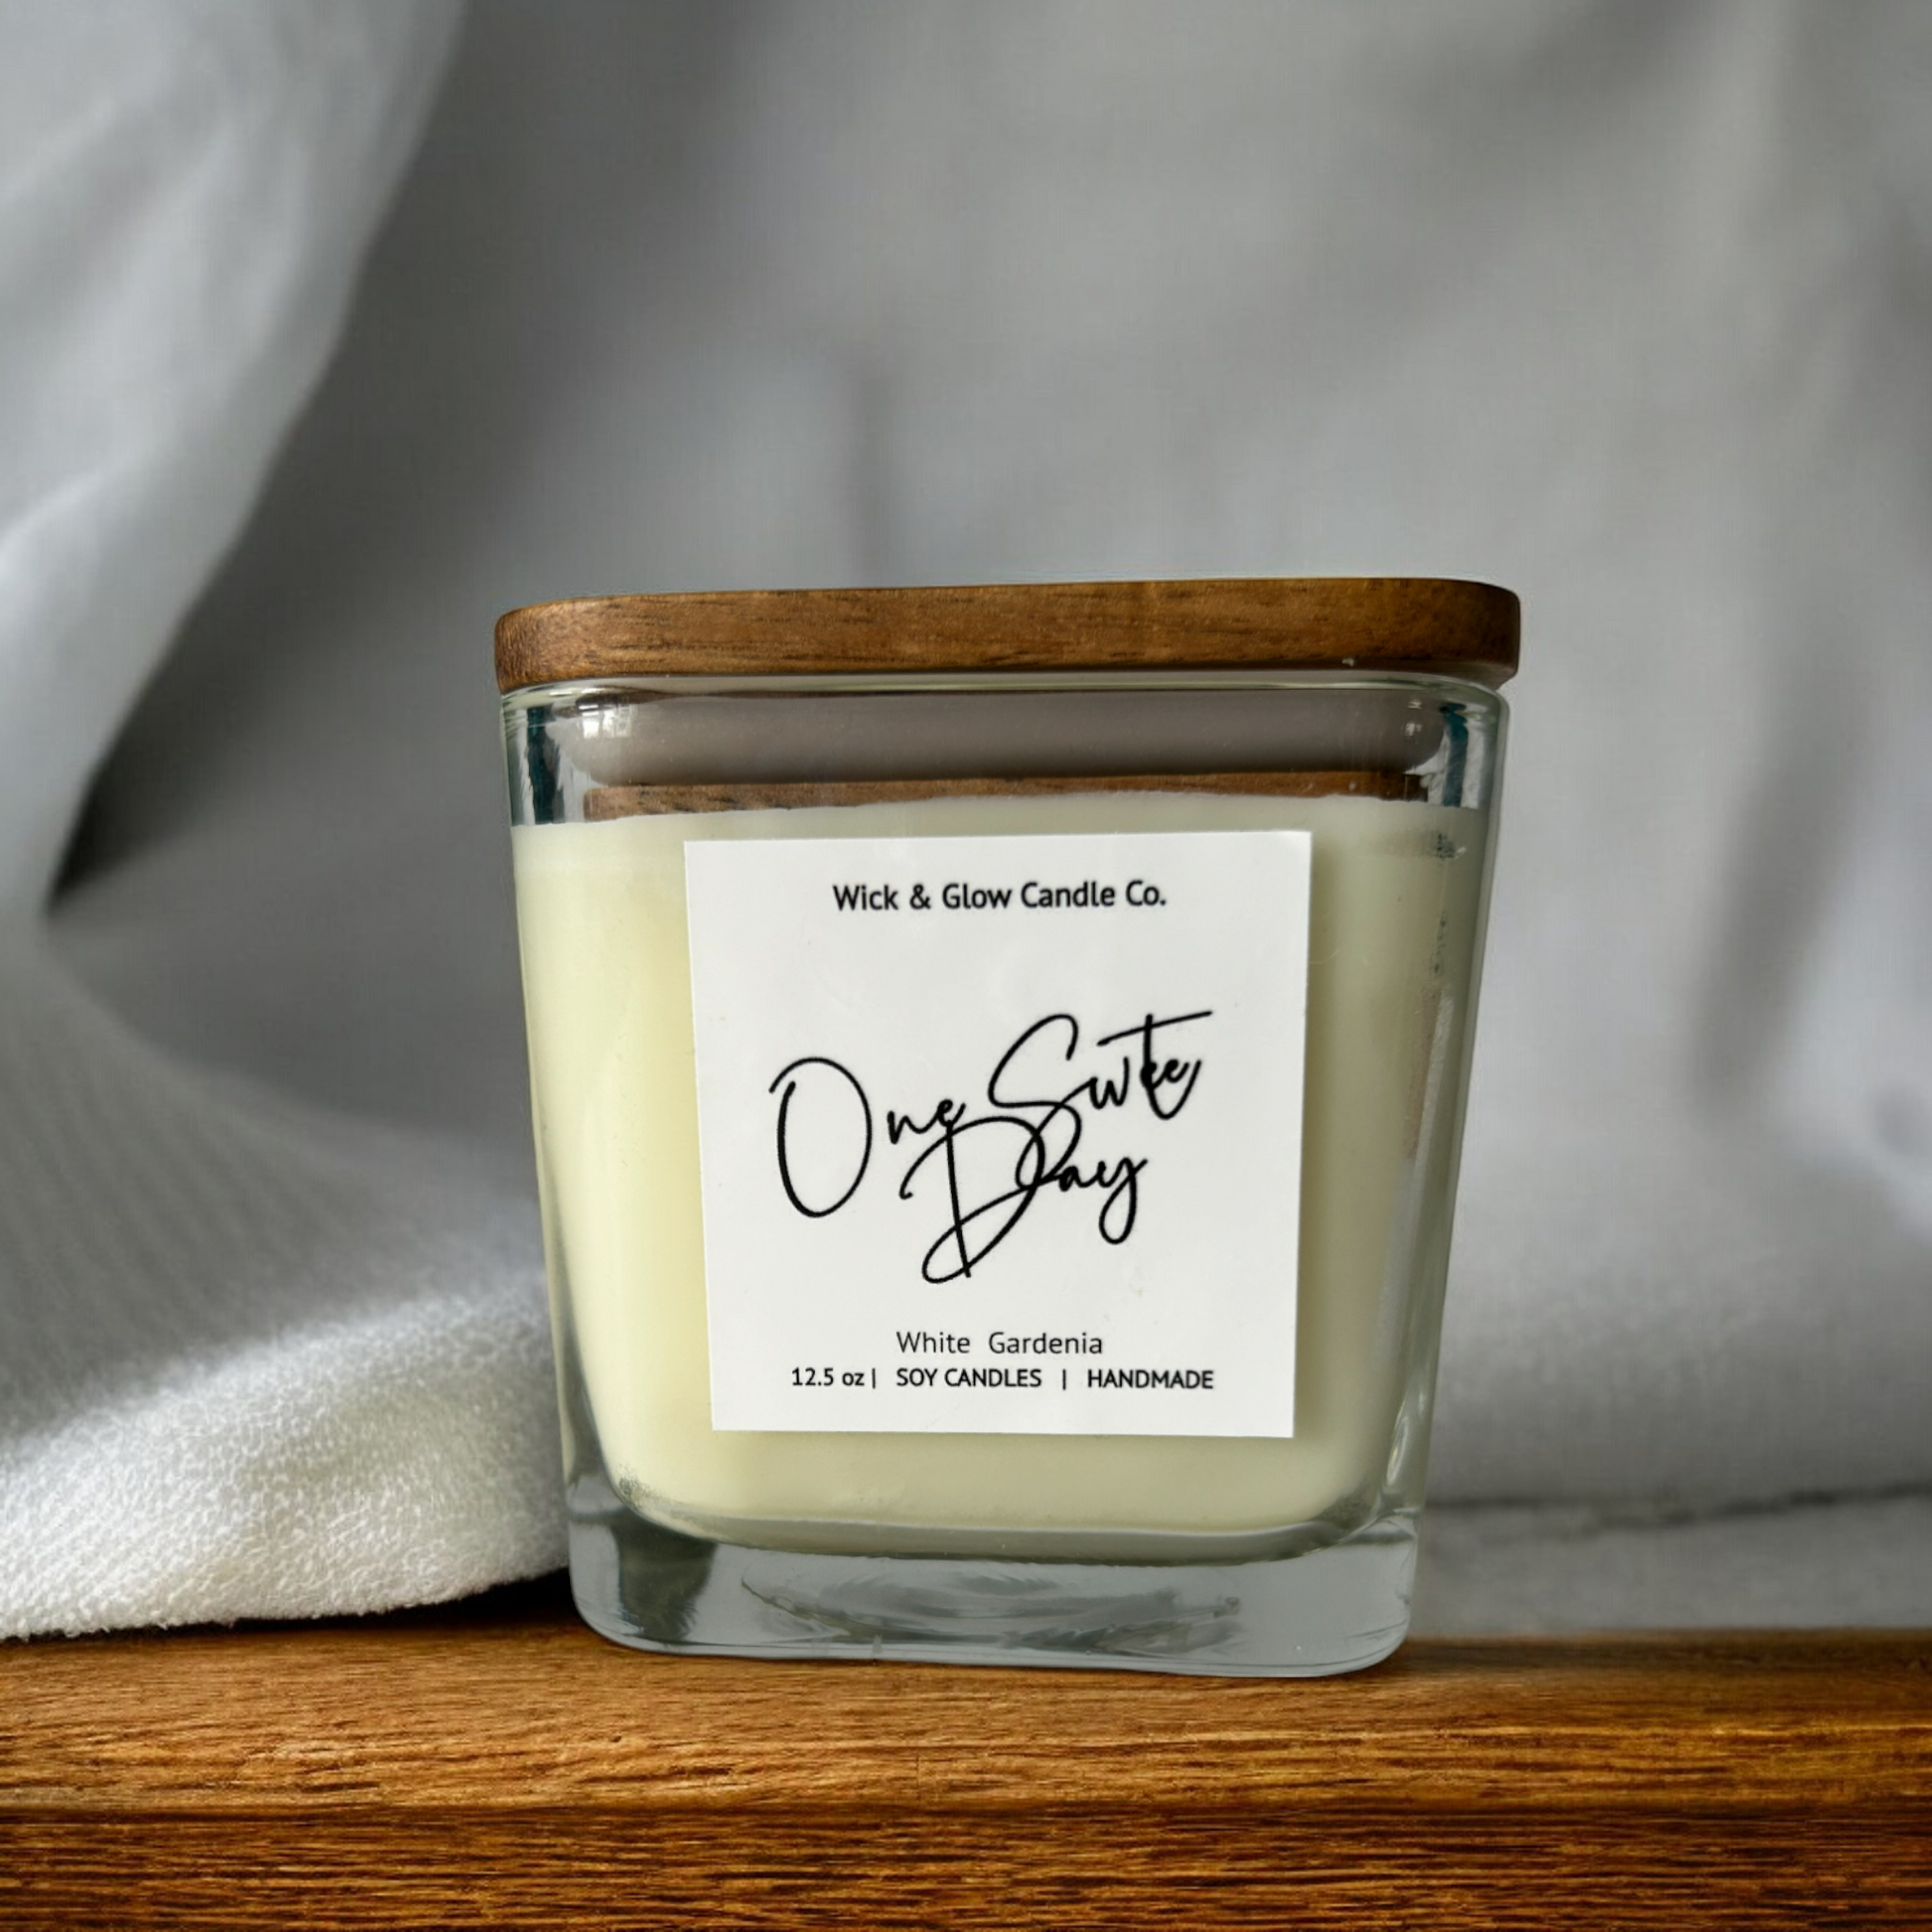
(986, 1167)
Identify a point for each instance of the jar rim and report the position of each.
(1447, 625)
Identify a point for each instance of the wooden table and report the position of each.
(496, 1764)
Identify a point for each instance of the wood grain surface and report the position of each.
(1442, 624)
(499, 1765)
(632, 801)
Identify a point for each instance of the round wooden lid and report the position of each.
(1425, 624)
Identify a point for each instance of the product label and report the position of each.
(1001, 1133)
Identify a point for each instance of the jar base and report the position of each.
(1336, 1608)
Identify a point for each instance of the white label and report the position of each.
(1001, 1133)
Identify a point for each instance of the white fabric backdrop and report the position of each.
(253, 1358)
(1621, 307)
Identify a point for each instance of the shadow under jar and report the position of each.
(998, 1060)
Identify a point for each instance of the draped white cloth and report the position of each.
(1624, 308)
(255, 1358)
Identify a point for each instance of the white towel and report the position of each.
(253, 1360)
(1619, 305)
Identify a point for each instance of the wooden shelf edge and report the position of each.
(496, 1764)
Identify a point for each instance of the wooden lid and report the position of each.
(1425, 623)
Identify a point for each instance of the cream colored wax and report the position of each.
(606, 982)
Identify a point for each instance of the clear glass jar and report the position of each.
(997, 1078)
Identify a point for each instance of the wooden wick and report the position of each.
(631, 801)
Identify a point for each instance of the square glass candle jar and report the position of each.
(998, 1061)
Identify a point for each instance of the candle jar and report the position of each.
(997, 1063)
